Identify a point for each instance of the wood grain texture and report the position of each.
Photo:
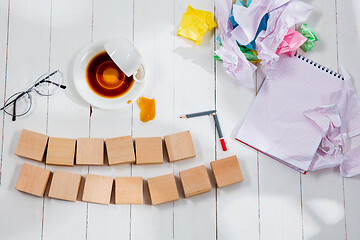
(154, 38)
(120, 150)
(64, 185)
(90, 151)
(149, 150)
(239, 202)
(61, 151)
(111, 19)
(348, 29)
(193, 74)
(128, 190)
(163, 189)
(4, 24)
(273, 203)
(68, 114)
(97, 189)
(31, 145)
(323, 190)
(227, 171)
(195, 181)
(28, 20)
(33, 180)
(179, 146)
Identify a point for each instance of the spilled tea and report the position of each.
(105, 78)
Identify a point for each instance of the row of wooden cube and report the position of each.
(90, 151)
(128, 190)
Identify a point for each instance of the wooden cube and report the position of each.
(163, 189)
(33, 180)
(64, 185)
(120, 150)
(195, 181)
(128, 190)
(97, 189)
(61, 151)
(149, 150)
(31, 145)
(179, 146)
(90, 151)
(227, 171)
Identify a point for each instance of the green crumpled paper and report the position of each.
(251, 55)
(195, 23)
(310, 35)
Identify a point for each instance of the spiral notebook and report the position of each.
(276, 124)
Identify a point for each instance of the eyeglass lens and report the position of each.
(21, 104)
(48, 84)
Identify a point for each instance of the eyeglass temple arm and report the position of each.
(44, 80)
(23, 93)
(47, 81)
(14, 111)
(13, 101)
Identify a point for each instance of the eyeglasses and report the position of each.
(20, 103)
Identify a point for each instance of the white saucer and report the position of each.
(82, 87)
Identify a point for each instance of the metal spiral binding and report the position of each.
(315, 64)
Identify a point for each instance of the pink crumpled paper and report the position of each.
(280, 20)
(291, 42)
(282, 15)
(337, 123)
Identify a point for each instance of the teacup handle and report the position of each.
(139, 76)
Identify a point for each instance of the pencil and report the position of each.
(198, 114)
(221, 137)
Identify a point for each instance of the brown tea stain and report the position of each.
(105, 78)
(147, 108)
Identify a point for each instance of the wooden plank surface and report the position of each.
(323, 190)
(348, 28)
(4, 14)
(237, 203)
(111, 19)
(194, 91)
(64, 107)
(273, 201)
(154, 38)
(28, 20)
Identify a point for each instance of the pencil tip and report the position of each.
(183, 116)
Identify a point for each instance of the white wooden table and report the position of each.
(274, 202)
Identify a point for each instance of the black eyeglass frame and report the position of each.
(40, 80)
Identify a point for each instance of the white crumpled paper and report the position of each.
(234, 61)
(338, 123)
(280, 20)
(330, 151)
(282, 15)
(249, 18)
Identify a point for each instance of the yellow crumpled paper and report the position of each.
(195, 23)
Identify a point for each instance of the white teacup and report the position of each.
(127, 58)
